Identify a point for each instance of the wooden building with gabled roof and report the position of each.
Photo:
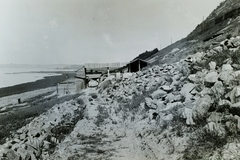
(137, 65)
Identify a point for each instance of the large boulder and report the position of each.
(226, 77)
(185, 91)
(158, 94)
(223, 105)
(171, 98)
(202, 106)
(193, 78)
(149, 103)
(218, 89)
(166, 88)
(234, 95)
(211, 77)
(160, 105)
(212, 65)
(103, 85)
(170, 107)
(227, 67)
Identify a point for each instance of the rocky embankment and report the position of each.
(186, 110)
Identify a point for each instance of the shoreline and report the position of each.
(47, 81)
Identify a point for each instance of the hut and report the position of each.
(94, 71)
(136, 65)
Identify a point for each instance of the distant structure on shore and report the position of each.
(105, 65)
(91, 74)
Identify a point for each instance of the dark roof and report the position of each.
(137, 60)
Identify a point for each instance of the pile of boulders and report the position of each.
(189, 90)
(197, 89)
(38, 139)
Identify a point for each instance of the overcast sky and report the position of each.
(86, 31)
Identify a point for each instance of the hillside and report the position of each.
(184, 106)
(222, 22)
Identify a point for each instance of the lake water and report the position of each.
(13, 75)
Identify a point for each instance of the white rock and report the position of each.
(226, 77)
(166, 88)
(168, 117)
(23, 153)
(218, 89)
(197, 57)
(227, 67)
(150, 104)
(192, 78)
(185, 91)
(127, 75)
(218, 49)
(177, 77)
(211, 77)
(236, 74)
(202, 106)
(93, 83)
(22, 136)
(224, 103)
(171, 106)
(158, 94)
(212, 65)
(120, 133)
(235, 94)
(170, 97)
(160, 106)
(188, 115)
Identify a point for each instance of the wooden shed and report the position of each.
(136, 65)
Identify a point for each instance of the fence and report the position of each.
(102, 65)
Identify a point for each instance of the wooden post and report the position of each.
(19, 100)
(85, 79)
(108, 71)
(57, 88)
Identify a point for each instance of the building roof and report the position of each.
(137, 60)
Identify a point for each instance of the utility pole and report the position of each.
(171, 40)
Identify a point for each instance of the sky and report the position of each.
(93, 31)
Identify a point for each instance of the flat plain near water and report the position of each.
(10, 76)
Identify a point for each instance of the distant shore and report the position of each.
(48, 81)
